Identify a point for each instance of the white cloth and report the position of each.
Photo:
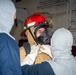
(45, 49)
(30, 58)
(35, 50)
(63, 62)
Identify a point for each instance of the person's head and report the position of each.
(61, 43)
(36, 29)
(7, 15)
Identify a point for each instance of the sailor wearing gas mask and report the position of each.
(39, 49)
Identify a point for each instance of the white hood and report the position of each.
(61, 43)
(63, 62)
(7, 12)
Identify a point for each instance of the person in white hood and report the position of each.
(9, 57)
(62, 63)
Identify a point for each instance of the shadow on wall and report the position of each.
(74, 50)
(13, 30)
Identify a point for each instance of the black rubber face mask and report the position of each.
(44, 38)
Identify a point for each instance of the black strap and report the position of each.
(27, 48)
(32, 35)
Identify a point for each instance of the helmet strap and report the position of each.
(32, 36)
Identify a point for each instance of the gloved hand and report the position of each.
(45, 49)
(30, 58)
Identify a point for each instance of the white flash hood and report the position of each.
(61, 42)
(7, 12)
(63, 62)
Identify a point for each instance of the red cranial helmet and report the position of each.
(34, 20)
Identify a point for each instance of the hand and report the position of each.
(35, 49)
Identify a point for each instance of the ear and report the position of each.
(14, 16)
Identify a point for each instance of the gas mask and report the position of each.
(44, 38)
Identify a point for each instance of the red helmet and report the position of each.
(33, 20)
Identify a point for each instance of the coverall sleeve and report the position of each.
(38, 69)
(9, 58)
